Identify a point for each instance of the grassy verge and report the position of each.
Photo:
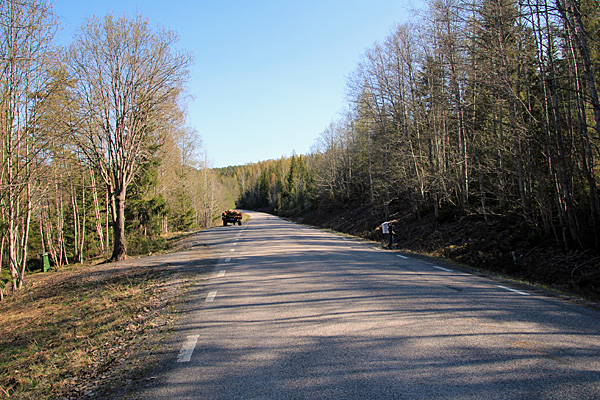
(245, 218)
(85, 326)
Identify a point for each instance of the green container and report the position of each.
(46, 261)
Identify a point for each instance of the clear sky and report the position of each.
(268, 76)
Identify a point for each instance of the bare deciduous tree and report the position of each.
(26, 33)
(129, 79)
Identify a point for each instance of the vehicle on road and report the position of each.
(233, 216)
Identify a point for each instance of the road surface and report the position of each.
(292, 312)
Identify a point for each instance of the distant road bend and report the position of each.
(292, 312)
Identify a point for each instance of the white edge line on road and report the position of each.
(221, 274)
(211, 296)
(401, 256)
(442, 268)
(513, 290)
(185, 354)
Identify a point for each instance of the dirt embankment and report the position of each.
(499, 244)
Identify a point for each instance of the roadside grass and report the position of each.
(72, 329)
(87, 327)
(245, 218)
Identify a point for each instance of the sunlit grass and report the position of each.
(74, 328)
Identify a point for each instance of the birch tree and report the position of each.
(26, 33)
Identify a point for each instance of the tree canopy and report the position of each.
(481, 108)
(95, 152)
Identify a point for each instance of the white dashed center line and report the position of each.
(401, 256)
(188, 348)
(442, 268)
(221, 274)
(211, 296)
(228, 259)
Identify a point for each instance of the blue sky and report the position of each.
(268, 76)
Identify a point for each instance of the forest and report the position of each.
(96, 158)
(482, 110)
(486, 111)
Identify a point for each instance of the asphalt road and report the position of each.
(296, 313)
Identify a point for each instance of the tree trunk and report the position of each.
(25, 233)
(76, 224)
(98, 222)
(83, 220)
(120, 244)
(109, 212)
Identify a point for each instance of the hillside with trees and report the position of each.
(477, 130)
(96, 157)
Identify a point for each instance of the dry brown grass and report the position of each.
(84, 325)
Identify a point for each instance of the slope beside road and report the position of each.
(293, 312)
